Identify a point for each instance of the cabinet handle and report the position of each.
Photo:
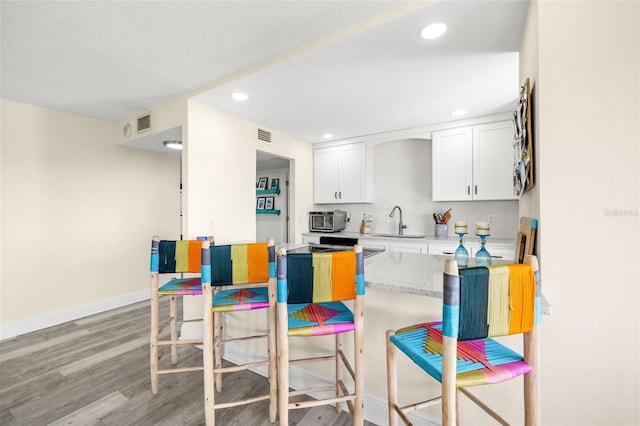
(475, 188)
(335, 195)
(340, 195)
(447, 252)
(468, 189)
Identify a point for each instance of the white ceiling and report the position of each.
(351, 68)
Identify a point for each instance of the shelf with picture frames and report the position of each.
(267, 191)
(265, 205)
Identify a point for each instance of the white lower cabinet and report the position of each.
(444, 248)
(306, 239)
(409, 248)
(501, 253)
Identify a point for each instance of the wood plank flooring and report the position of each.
(95, 371)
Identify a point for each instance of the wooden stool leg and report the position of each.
(392, 380)
(358, 335)
(458, 407)
(207, 358)
(217, 347)
(173, 312)
(531, 386)
(339, 366)
(153, 346)
(283, 366)
(449, 381)
(273, 359)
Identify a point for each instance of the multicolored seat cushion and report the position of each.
(319, 319)
(181, 286)
(241, 299)
(480, 361)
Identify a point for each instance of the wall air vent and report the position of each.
(143, 123)
(264, 135)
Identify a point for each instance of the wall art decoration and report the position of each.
(523, 142)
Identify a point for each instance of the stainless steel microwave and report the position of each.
(334, 221)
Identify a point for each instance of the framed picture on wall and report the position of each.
(523, 142)
(260, 203)
(275, 183)
(262, 182)
(268, 203)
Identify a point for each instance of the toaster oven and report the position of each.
(333, 221)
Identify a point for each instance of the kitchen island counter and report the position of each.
(410, 273)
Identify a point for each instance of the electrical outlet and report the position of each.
(491, 219)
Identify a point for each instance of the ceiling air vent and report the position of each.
(264, 135)
(144, 123)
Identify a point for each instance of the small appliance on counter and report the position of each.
(334, 221)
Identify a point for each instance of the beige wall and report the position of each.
(588, 93)
(77, 215)
(220, 160)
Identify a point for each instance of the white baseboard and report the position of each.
(27, 325)
(375, 409)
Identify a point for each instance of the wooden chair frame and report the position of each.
(174, 342)
(214, 340)
(450, 393)
(355, 399)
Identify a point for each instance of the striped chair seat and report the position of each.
(319, 319)
(243, 299)
(478, 305)
(480, 362)
(312, 289)
(182, 286)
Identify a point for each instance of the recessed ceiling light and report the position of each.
(458, 112)
(173, 144)
(327, 135)
(433, 31)
(239, 96)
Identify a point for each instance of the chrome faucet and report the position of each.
(401, 226)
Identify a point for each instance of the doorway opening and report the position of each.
(272, 197)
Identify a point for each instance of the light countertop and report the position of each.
(498, 243)
(411, 273)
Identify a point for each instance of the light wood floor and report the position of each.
(95, 371)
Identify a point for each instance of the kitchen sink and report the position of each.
(397, 236)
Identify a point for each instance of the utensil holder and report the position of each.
(442, 231)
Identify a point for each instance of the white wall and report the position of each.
(402, 176)
(221, 167)
(78, 214)
(587, 55)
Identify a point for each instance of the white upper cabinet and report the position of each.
(342, 174)
(473, 163)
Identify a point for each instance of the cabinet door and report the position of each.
(500, 253)
(306, 239)
(444, 248)
(325, 175)
(452, 164)
(493, 161)
(342, 174)
(409, 248)
(352, 173)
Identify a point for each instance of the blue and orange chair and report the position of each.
(311, 290)
(236, 278)
(177, 258)
(479, 303)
